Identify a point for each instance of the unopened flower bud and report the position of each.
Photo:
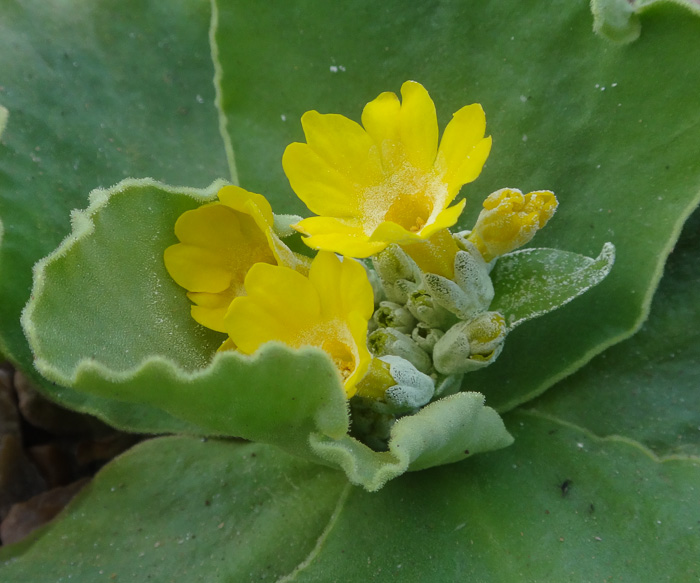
(390, 342)
(510, 219)
(395, 386)
(425, 336)
(391, 315)
(470, 345)
(424, 307)
(398, 273)
(412, 390)
(472, 276)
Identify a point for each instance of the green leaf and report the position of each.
(531, 282)
(182, 508)
(558, 505)
(647, 387)
(506, 517)
(106, 319)
(616, 20)
(621, 160)
(96, 92)
(446, 431)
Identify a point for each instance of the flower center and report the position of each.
(335, 339)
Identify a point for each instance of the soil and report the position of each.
(47, 454)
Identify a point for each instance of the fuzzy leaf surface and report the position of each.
(647, 385)
(567, 110)
(96, 92)
(549, 508)
(532, 282)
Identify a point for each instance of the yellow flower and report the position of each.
(219, 243)
(388, 182)
(510, 219)
(329, 309)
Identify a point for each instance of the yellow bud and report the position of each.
(510, 219)
(376, 381)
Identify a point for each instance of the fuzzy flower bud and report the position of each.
(398, 273)
(471, 345)
(425, 336)
(391, 315)
(390, 342)
(427, 310)
(510, 219)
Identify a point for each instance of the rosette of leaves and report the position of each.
(622, 160)
(106, 318)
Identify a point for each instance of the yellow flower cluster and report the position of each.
(388, 182)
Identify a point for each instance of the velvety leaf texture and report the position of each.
(601, 482)
(567, 110)
(95, 93)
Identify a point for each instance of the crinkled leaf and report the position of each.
(559, 505)
(96, 92)
(531, 282)
(647, 387)
(107, 319)
(568, 111)
(446, 431)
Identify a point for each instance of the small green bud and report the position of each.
(424, 307)
(472, 275)
(412, 390)
(425, 336)
(398, 273)
(470, 345)
(391, 315)
(390, 342)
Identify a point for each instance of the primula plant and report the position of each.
(343, 342)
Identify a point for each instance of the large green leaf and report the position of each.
(568, 111)
(647, 387)
(184, 509)
(560, 505)
(95, 92)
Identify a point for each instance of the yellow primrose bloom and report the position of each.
(510, 219)
(219, 243)
(388, 182)
(329, 309)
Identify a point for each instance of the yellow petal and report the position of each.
(196, 268)
(333, 235)
(357, 325)
(380, 118)
(418, 125)
(447, 218)
(471, 167)
(249, 203)
(342, 286)
(344, 145)
(323, 189)
(465, 130)
(389, 232)
(208, 226)
(210, 308)
(280, 304)
(435, 254)
(251, 325)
